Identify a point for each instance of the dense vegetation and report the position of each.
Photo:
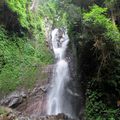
(106, 81)
(23, 52)
(94, 30)
(91, 25)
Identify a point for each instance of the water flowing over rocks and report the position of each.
(57, 98)
(75, 87)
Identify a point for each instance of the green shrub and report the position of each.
(97, 110)
(97, 19)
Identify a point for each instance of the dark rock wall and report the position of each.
(10, 19)
(82, 63)
(75, 88)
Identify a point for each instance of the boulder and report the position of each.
(14, 99)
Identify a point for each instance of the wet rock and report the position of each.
(44, 88)
(14, 99)
(53, 117)
(48, 117)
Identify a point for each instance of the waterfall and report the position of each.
(57, 100)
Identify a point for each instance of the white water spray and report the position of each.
(57, 103)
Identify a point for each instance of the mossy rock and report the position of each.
(5, 110)
(7, 113)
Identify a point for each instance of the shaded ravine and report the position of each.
(57, 98)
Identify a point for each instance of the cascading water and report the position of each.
(57, 101)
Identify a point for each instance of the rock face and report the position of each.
(48, 31)
(14, 99)
(9, 19)
(83, 65)
(75, 87)
(36, 101)
(35, 105)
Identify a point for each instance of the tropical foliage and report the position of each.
(93, 27)
(21, 56)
